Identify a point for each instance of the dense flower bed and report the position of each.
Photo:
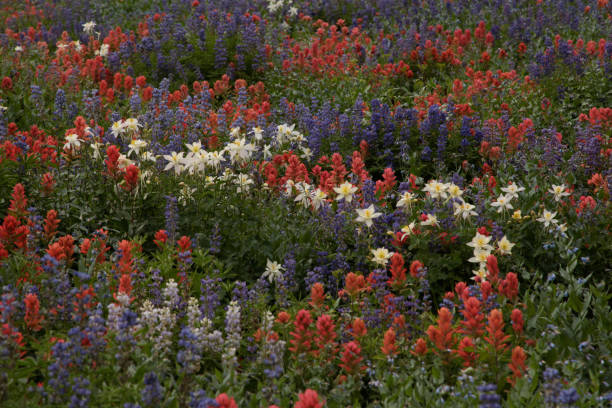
(305, 203)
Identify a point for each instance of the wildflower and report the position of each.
(345, 191)
(243, 181)
(472, 325)
(436, 189)
(325, 331)
(512, 190)
(381, 256)
(302, 335)
(366, 215)
(308, 399)
(174, 162)
(389, 347)
(480, 256)
(351, 358)
(32, 316)
(558, 191)
(464, 210)
(317, 295)
(454, 191)
(517, 321)
(547, 218)
(504, 246)
(103, 51)
(442, 334)
(318, 198)
(132, 124)
(516, 215)
(430, 220)
(258, 133)
(354, 283)
(72, 142)
(496, 338)
(517, 364)
(420, 347)
(481, 242)
(502, 203)
(273, 272)
(407, 198)
(465, 350)
(131, 176)
(136, 145)
(415, 268)
(88, 27)
(398, 272)
(118, 128)
(359, 328)
(303, 196)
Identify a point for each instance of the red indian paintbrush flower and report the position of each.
(308, 399)
(389, 347)
(497, 338)
(32, 316)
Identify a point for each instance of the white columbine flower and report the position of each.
(136, 145)
(273, 272)
(558, 191)
(480, 242)
(436, 189)
(547, 218)
(174, 162)
(512, 190)
(454, 191)
(480, 256)
(318, 198)
(381, 256)
(258, 133)
(73, 142)
(118, 128)
(366, 215)
(504, 246)
(405, 200)
(502, 203)
(243, 181)
(88, 27)
(431, 221)
(345, 191)
(132, 124)
(464, 210)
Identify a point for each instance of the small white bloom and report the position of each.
(558, 191)
(406, 199)
(118, 128)
(366, 215)
(454, 190)
(72, 142)
(504, 246)
(512, 190)
(436, 189)
(174, 162)
(18, 48)
(243, 181)
(547, 218)
(273, 272)
(431, 221)
(480, 256)
(345, 191)
(480, 242)
(502, 203)
(381, 256)
(132, 124)
(318, 198)
(88, 27)
(258, 133)
(136, 145)
(464, 210)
